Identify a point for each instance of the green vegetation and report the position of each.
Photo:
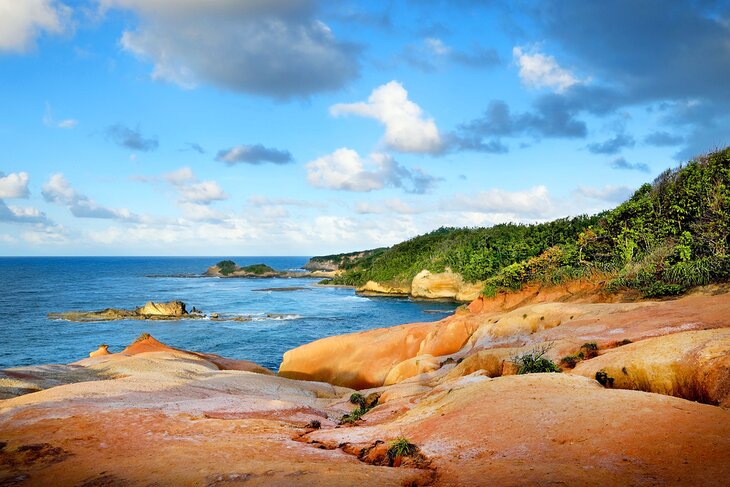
(401, 447)
(364, 404)
(315, 424)
(669, 236)
(587, 351)
(258, 269)
(604, 379)
(535, 362)
(226, 267)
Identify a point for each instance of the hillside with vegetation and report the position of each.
(669, 236)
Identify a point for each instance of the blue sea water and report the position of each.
(31, 287)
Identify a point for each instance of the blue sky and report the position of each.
(297, 127)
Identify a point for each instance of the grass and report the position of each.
(364, 404)
(401, 447)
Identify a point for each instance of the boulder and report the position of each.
(171, 308)
(694, 365)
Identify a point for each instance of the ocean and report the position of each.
(32, 287)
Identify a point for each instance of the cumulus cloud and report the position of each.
(610, 193)
(553, 116)
(407, 128)
(14, 185)
(274, 48)
(19, 214)
(23, 21)
(58, 190)
(625, 44)
(612, 145)
(253, 154)
(541, 71)
(625, 165)
(344, 169)
(193, 191)
(131, 139)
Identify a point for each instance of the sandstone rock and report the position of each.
(382, 288)
(448, 284)
(411, 367)
(694, 365)
(171, 309)
(363, 360)
(100, 352)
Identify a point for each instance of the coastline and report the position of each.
(439, 385)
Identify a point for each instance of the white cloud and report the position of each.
(22, 21)
(14, 185)
(193, 191)
(58, 190)
(202, 192)
(180, 176)
(49, 121)
(610, 193)
(20, 214)
(276, 48)
(344, 169)
(407, 129)
(540, 71)
(532, 203)
(393, 205)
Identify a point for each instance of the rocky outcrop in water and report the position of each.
(172, 310)
(229, 269)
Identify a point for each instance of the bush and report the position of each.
(401, 447)
(226, 267)
(535, 362)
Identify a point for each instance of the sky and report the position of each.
(304, 127)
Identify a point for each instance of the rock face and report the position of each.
(339, 359)
(398, 353)
(154, 415)
(449, 285)
(372, 287)
(691, 364)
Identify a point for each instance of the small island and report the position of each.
(229, 269)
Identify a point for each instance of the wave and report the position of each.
(355, 298)
(277, 317)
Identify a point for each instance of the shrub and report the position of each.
(604, 379)
(358, 399)
(225, 267)
(571, 361)
(589, 350)
(314, 424)
(401, 447)
(534, 362)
